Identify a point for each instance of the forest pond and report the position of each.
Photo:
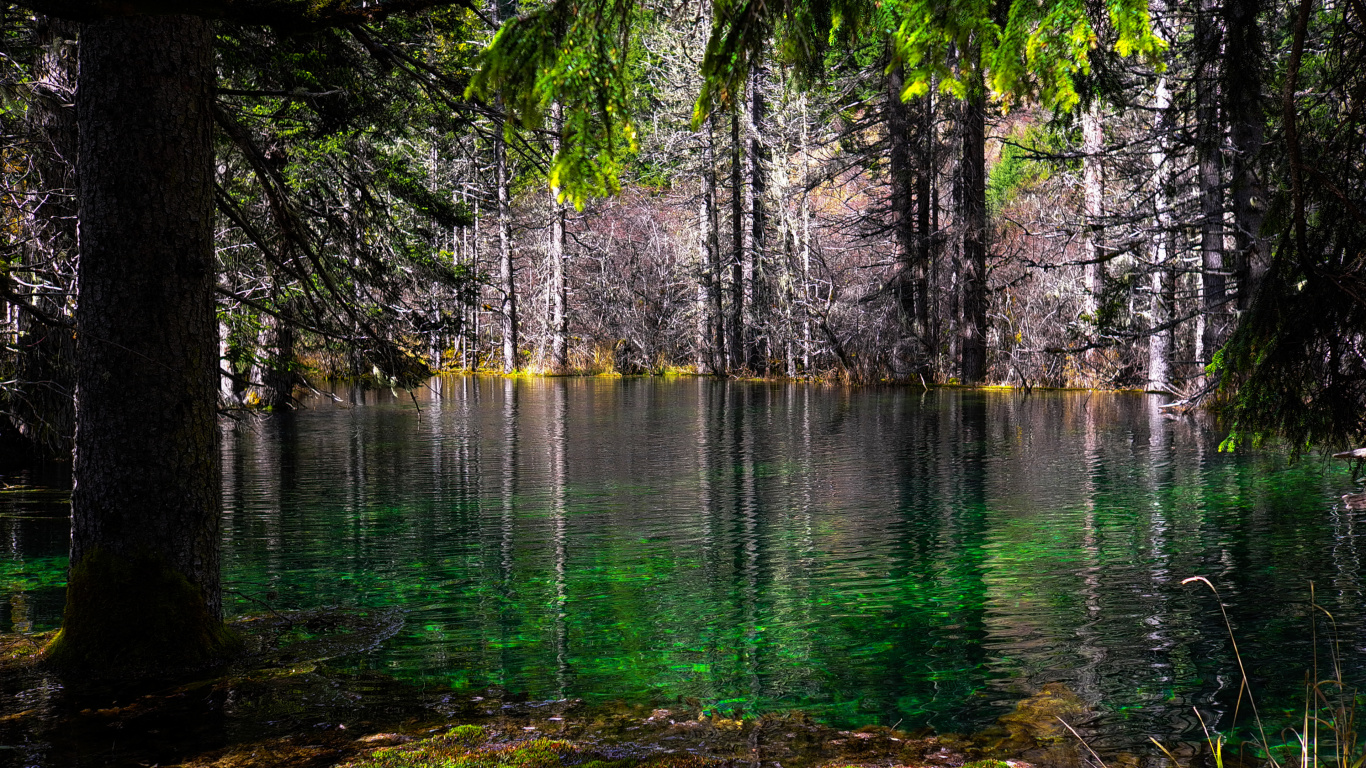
(869, 555)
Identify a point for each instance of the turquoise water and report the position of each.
(868, 555)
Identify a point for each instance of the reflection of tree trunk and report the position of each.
(144, 582)
(1091, 647)
(508, 521)
(559, 395)
(974, 216)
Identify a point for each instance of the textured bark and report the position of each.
(144, 587)
(559, 292)
(924, 206)
(1244, 61)
(900, 141)
(1208, 134)
(1093, 187)
(736, 348)
(1163, 279)
(274, 377)
(974, 216)
(711, 330)
(757, 247)
(507, 275)
(42, 398)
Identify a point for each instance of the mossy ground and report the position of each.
(287, 706)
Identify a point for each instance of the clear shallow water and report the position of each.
(868, 555)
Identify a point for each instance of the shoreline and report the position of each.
(285, 705)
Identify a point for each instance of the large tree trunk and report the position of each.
(711, 341)
(1244, 60)
(1208, 135)
(755, 253)
(1163, 280)
(900, 140)
(143, 593)
(974, 328)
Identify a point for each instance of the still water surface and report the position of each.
(867, 555)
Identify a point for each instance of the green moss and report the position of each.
(135, 615)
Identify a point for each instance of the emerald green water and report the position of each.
(867, 555)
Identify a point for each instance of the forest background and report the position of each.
(854, 203)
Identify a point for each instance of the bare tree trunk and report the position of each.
(711, 328)
(974, 360)
(924, 205)
(756, 251)
(506, 269)
(274, 376)
(807, 295)
(1163, 281)
(143, 594)
(900, 140)
(1208, 131)
(1093, 187)
(736, 347)
(559, 292)
(502, 11)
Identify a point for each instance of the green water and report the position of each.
(867, 555)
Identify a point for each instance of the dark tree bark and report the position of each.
(736, 348)
(143, 593)
(974, 217)
(900, 141)
(712, 341)
(274, 377)
(1244, 62)
(755, 254)
(1208, 134)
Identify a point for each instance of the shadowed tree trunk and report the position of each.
(1208, 134)
(143, 592)
(974, 328)
(755, 254)
(735, 349)
(1244, 61)
(711, 341)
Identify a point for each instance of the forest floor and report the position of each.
(288, 706)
